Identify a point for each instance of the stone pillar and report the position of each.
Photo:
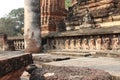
(78, 44)
(85, 44)
(32, 26)
(63, 43)
(74, 2)
(91, 43)
(67, 44)
(98, 42)
(52, 43)
(106, 43)
(115, 42)
(3, 43)
(72, 44)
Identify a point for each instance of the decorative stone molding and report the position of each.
(88, 42)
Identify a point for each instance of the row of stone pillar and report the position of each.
(18, 44)
(86, 43)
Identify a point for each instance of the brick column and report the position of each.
(52, 13)
(32, 26)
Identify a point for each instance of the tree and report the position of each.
(13, 22)
(67, 3)
(18, 16)
(7, 26)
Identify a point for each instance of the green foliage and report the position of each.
(67, 3)
(13, 22)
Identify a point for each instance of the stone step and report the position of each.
(85, 53)
(49, 58)
(71, 54)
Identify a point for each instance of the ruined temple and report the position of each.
(86, 25)
(52, 16)
(90, 25)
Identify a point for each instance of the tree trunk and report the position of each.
(32, 26)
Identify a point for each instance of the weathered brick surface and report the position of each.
(93, 14)
(52, 14)
(11, 67)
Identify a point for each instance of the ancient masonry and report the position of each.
(90, 25)
(87, 25)
(52, 16)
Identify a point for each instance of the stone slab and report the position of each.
(82, 54)
(10, 54)
(49, 57)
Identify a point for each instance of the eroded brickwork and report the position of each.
(93, 14)
(52, 15)
(12, 64)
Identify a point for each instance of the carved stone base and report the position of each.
(86, 42)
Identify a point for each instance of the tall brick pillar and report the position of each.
(52, 12)
(32, 26)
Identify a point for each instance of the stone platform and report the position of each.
(111, 65)
(13, 63)
(45, 57)
(59, 71)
